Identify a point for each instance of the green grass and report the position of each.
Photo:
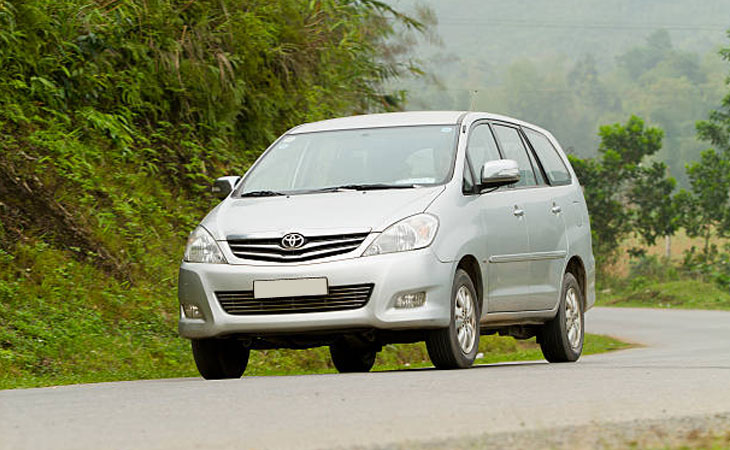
(682, 293)
(495, 349)
(63, 321)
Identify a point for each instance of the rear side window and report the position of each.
(553, 164)
(513, 148)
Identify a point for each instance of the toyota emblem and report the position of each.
(292, 241)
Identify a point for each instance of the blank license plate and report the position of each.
(290, 288)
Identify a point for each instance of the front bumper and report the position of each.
(392, 274)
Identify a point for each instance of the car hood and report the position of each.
(350, 211)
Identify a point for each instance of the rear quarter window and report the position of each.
(548, 155)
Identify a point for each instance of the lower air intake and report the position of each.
(339, 298)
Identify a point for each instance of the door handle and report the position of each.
(556, 209)
(518, 212)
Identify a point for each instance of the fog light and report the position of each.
(192, 312)
(413, 300)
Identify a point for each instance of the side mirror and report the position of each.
(499, 173)
(223, 186)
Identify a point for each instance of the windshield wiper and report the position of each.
(261, 194)
(344, 187)
(368, 187)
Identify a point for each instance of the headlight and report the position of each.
(202, 248)
(409, 234)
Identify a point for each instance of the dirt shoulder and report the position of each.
(677, 432)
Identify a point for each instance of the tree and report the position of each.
(655, 213)
(707, 206)
(641, 59)
(623, 196)
(706, 209)
(716, 130)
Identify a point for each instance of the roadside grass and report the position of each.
(703, 440)
(683, 293)
(654, 281)
(711, 432)
(493, 349)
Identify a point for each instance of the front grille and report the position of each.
(339, 298)
(315, 247)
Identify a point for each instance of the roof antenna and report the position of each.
(473, 99)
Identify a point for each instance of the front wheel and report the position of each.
(561, 339)
(219, 359)
(456, 346)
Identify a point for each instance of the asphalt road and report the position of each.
(682, 370)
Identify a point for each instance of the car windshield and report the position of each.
(374, 158)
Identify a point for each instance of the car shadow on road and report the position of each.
(476, 366)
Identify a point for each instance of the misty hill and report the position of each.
(573, 66)
(501, 32)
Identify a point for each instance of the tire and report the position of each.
(456, 346)
(561, 339)
(219, 359)
(348, 358)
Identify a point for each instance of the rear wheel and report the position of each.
(218, 359)
(561, 339)
(456, 346)
(349, 358)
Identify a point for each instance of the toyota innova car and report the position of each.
(358, 232)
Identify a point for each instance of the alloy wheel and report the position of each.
(465, 320)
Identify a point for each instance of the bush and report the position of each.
(711, 264)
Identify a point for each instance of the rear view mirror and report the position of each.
(499, 173)
(223, 186)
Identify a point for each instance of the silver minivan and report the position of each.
(358, 232)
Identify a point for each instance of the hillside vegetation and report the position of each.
(114, 117)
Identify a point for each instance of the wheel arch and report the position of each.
(576, 267)
(470, 264)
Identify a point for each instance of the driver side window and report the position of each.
(481, 147)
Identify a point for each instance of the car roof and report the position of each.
(383, 120)
(413, 118)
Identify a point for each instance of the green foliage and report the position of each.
(716, 130)
(707, 207)
(655, 213)
(639, 197)
(625, 146)
(623, 196)
(114, 117)
(229, 75)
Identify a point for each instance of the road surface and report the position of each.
(682, 370)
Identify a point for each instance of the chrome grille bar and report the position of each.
(315, 247)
